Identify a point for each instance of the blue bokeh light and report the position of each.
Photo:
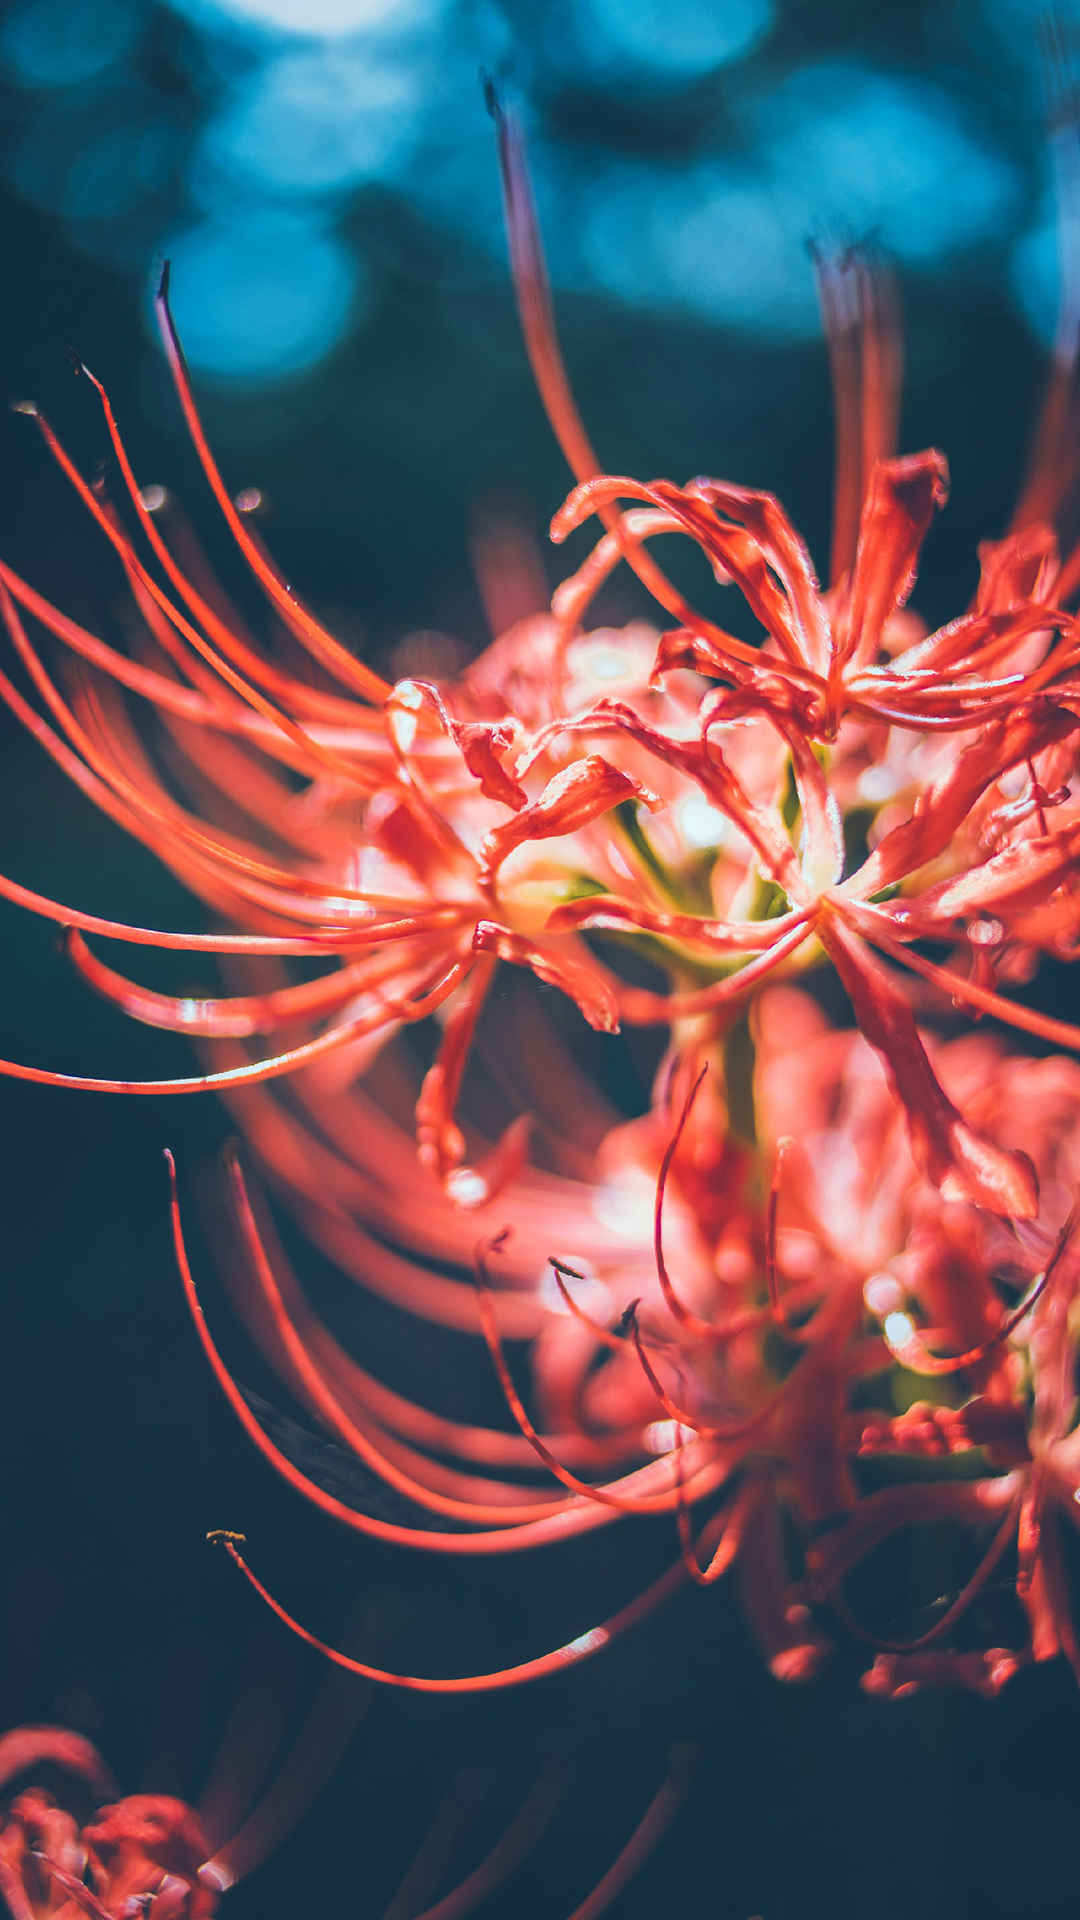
(873, 149)
(92, 153)
(1036, 266)
(293, 107)
(313, 121)
(262, 299)
(307, 19)
(656, 42)
(62, 43)
(840, 151)
(713, 240)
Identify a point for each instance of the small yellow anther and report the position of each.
(221, 1537)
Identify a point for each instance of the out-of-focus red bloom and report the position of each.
(147, 1854)
(138, 1855)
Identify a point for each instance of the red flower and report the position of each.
(465, 824)
(142, 1852)
(848, 788)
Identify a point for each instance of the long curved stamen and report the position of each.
(735, 1516)
(311, 1762)
(570, 1654)
(205, 704)
(236, 681)
(863, 335)
(549, 371)
(913, 1354)
(969, 1592)
(256, 1071)
(330, 1409)
(472, 1445)
(700, 1329)
(706, 1430)
(576, 1516)
(325, 648)
(647, 1835)
(640, 1006)
(527, 1827)
(615, 1342)
(884, 1512)
(168, 821)
(1052, 461)
(248, 1014)
(1061, 1032)
(195, 855)
(281, 686)
(603, 1495)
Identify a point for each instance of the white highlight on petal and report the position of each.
(586, 1643)
(624, 1201)
(663, 1436)
(606, 664)
(700, 824)
(883, 1293)
(898, 1329)
(878, 783)
(466, 1187)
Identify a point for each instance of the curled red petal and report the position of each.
(963, 1162)
(439, 1140)
(765, 520)
(573, 798)
(899, 507)
(35, 1746)
(943, 805)
(599, 911)
(1017, 569)
(1021, 875)
(481, 743)
(586, 987)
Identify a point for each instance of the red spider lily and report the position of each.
(147, 1853)
(417, 835)
(138, 1855)
(871, 1277)
(152, 1853)
(453, 829)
